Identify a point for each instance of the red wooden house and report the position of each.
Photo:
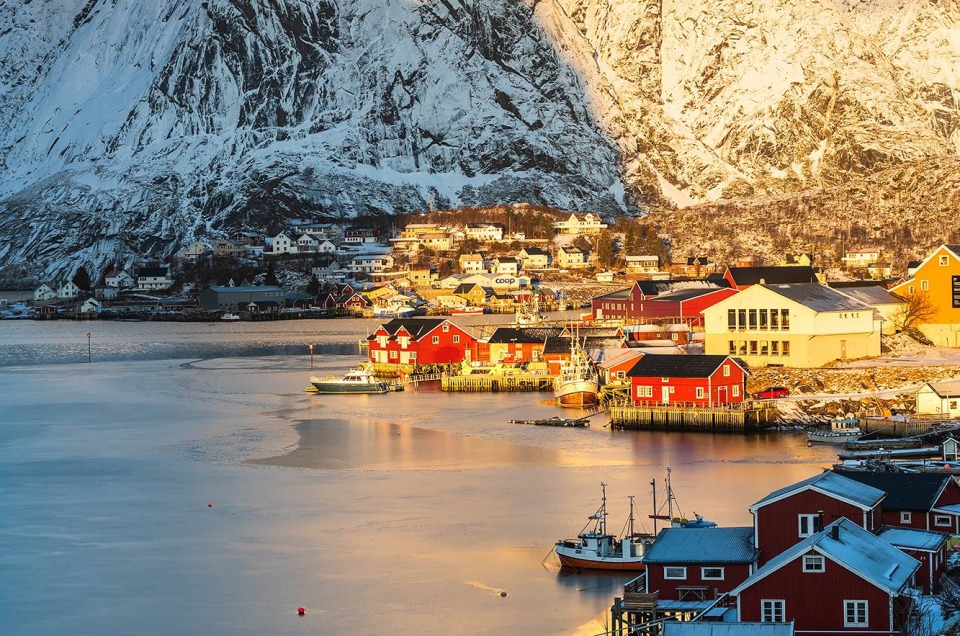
(840, 580)
(354, 302)
(704, 380)
(742, 277)
(671, 301)
(929, 548)
(613, 364)
(699, 564)
(515, 345)
(788, 516)
(419, 341)
(922, 500)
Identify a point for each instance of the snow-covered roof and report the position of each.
(720, 628)
(607, 358)
(817, 297)
(702, 545)
(832, 484)
(913, 539)
(945, 389)
(862, 552)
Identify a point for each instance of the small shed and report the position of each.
(939, 398)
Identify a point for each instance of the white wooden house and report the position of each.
(46, 291)
(68, 290)
(119, 278)
(939, 398)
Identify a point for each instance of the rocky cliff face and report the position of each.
(133, 127)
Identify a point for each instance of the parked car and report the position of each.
(771, 393)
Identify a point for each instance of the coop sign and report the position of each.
(955, 291)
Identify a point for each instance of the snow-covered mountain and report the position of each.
(132, 126)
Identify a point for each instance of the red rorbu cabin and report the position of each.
(420, 341)
(703, 380)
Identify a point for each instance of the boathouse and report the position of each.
(419, 341)
(698, 564)
(237, 298)
(699, 381)
(837, 580)
(788, 516)
(929, 548)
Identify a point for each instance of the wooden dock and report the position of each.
(691, 418)
(480, 383)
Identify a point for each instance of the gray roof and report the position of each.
(872, 295)
(772, 274)
(817, 297)
(246, 289)
(702, 545)
(718, 628)
(687, 293)
(913, 539)
(831, 483)
(862, 552)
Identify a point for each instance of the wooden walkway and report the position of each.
(481, 383)
(688, 418)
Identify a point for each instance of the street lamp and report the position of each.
(88, 346)
(310, 347)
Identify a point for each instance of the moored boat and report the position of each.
(578, 384)
(360, 380)
(230, 317)
(596, 549)
(581, 422)
(466, 311)
(840, 431)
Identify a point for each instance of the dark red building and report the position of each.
(419, 341)
(840, 580)
(699, 564)
(927, 547)
(915, 500)
(742, 277)
(660, 301)
(787, 516)
(704, 380)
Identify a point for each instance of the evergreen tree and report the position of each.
(605, 253)
(82, 278)
(271, 278)
(313, 287)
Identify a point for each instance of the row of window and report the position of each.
(759, 347)
(644, 391)
(854, 612)
(758, 319)
(680, 573)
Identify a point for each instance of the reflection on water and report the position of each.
(384, 445)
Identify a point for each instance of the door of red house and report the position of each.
(665, 393)
(721, 395)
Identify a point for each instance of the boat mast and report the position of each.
(603, 510)
(669, 497)
(630, 522)
(653, 485)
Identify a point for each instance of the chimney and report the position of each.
(835, 532)
(819, 520)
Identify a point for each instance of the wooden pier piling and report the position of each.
(746, 419)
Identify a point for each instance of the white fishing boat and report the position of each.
(528, 314)
(359, 380)
(230, 317)
(596, 549)
(840, 431)
(578, 384)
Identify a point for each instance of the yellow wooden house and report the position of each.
(938, 277)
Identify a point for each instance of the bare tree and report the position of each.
(918, 310)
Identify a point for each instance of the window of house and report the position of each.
(753, 319)
(733, 347)
(664, 380)
(742, 318)
(670, 572)
(711, 574)
(436, 340)
(726, 370)
(910, 290)
(774, 347)
(774, 319)
(942, 520)
(743, 347)
(699, 392)
(413, 356)
(753, 347)
(944, 261)
(813, 563)
(735, 390)
(924, 285)
(731, 319)
(772, 611)
(672, 390)
(445, 328)
(906, 517)
(764, 347)
(785, 319)
(808, 524)
(456, 339)
(785, 347)
(763, 318)
(854, 613)
(393, 355)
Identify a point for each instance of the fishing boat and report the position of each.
(840, 431)
(581, 422)
(596, 549)
(528, 315)
(359, 380)
(466, 311)
(577, 385)
(230, 317)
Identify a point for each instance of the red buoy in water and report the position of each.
(301, 611)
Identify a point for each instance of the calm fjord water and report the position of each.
(406, 513)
